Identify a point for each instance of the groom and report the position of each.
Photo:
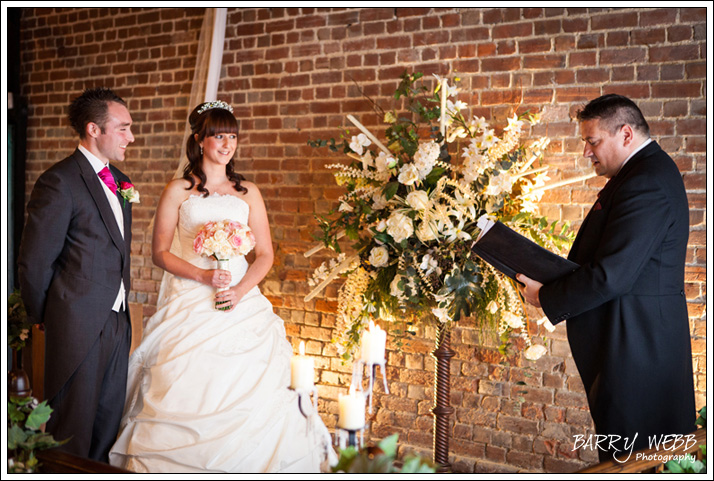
(74, 276)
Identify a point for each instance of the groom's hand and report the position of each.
(529, 289)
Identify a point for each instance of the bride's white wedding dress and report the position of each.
(208, 390)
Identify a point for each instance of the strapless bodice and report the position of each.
(195, 212)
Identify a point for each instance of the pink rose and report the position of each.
(198, 243)
(236, 241)
(126, 185)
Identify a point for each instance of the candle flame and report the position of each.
(302, 348)
(371, 325)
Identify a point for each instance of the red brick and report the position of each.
(500, 64)
(674, 53)
(614, 20)
(512, 30)
(623, 56)
(677, 89)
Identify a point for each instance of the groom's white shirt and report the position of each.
(98, 165)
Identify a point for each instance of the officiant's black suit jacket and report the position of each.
(71, 264)
(625, 307)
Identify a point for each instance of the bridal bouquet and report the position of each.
(411, 211)
(223, 240)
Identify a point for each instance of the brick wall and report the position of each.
(293, 74)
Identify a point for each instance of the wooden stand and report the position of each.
(442, 397)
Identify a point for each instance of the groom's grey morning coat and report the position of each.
(72, 261)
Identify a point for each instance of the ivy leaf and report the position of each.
(390, 190)
(15, 415)
(465, 285)
(16, 436)
(389, 445)
(38, 416)
(434, 175)
(346, 457)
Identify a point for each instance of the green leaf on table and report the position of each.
(389, 445)
(38, 416)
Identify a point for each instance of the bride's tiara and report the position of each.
(216, 104)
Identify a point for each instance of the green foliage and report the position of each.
(18, 327)
(690, 464)
(24, 436)
(702, 418)
(381, 459)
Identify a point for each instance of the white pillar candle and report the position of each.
(374, 342)
(302, 370)
(442, 117)
(351, 410)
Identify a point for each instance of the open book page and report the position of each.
(485, 224)
(512, 253)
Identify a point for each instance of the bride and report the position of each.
(207, 388)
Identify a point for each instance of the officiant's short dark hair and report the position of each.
(92, 106)
(614, 111)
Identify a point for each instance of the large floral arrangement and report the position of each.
(411, 209)
(224, 239)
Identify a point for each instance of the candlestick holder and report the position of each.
(348, 437)
(307, 393)
(358, 368)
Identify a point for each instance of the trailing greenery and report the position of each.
(24, 435)
(690, 464)
(381, 459)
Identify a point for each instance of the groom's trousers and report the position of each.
(89, 406)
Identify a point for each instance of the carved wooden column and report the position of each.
(442, 396)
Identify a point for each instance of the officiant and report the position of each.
(625, 308)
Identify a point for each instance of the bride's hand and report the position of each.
(218, 278)
(228, 298)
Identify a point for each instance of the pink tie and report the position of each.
(108, 179)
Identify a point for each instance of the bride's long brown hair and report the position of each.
(206, 124)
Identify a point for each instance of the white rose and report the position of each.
(425, 233)
(408, 174)
(379, 256)
(399, 226)
(513, 321)
(418, 200)
(394, 287)
(535, 352)
(381, 225)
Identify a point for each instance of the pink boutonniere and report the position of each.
(128, 192)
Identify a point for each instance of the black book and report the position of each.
(511, 253)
